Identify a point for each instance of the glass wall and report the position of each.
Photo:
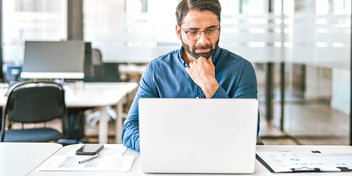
(305, 44)
(305, 40)
(119, 28)
(31, 20)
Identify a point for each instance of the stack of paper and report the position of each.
(306, 161)
(110, 158)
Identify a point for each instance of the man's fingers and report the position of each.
(202, 57)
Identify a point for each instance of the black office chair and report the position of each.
(33, 102)
(98, 65)
(103, 72)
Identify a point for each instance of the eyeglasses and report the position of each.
(194, 35)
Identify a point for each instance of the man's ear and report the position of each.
(178, 31)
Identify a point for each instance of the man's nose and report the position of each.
(202, 38)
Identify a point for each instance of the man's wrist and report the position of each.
(210, 89)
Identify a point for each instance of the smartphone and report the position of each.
(90, 149)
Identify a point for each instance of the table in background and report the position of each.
(260, 169)
(18, 159)
(132, 71)
(101, 95)
(98, 95)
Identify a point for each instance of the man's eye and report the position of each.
(193, 32)
(211, 30)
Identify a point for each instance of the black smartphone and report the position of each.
(90, 149)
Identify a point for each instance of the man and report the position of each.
(200, 69)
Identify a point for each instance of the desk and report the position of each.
(100, 95)
(260, 169)
(18, 159)
(132, 71)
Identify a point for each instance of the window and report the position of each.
(31, 20)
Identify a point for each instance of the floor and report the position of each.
(307, 123)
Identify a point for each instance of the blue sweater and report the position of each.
(165, 77)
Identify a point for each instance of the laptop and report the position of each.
(198, 135)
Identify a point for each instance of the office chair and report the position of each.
(33, 102)
(103, 72)
(98, 65)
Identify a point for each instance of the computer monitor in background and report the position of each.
(53, 60)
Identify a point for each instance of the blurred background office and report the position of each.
(300, 49)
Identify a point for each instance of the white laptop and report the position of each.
(198, 135)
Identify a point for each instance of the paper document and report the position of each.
(306, 161)
(110, 158)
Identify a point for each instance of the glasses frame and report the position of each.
(199, 33)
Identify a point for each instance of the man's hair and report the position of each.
(185, 5)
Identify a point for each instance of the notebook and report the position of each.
(198, 135)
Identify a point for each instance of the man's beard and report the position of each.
(192, 52)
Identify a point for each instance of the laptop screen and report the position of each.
(198, 135)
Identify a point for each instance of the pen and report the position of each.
(305, 169)
(88, 159)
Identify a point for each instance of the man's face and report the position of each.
(197, 43)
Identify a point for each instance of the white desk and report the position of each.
(260, 169)
(18, 159)
(133, 71)
(132, 68)
(100, 95)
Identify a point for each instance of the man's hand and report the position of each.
(202, 72)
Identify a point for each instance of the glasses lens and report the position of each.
(195, 35)
(192, 35)
(212, 33)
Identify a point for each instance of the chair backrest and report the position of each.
(94, 70)
(34, 102)
(97, 57)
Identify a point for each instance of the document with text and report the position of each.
(306, 161)
(111, 158)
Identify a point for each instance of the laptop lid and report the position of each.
(198, 135)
